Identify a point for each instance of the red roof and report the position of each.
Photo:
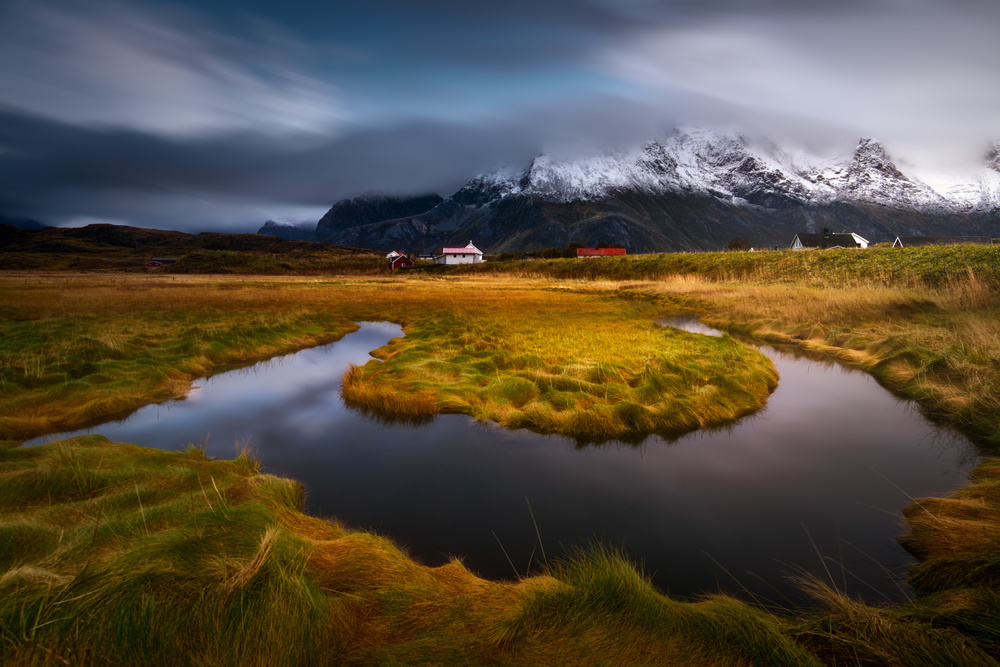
(599, 252)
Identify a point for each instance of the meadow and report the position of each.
(115, 553)
(525, 354)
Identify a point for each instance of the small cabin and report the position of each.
(923, 241)
(158, 262)
(600, 252)
(828, 239)
(469, 254)
(398, 260)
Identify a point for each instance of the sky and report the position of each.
(221, 114)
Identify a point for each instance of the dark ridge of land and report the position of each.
(121, 248)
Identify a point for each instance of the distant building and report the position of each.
(921, 241)
(157, 262)
(470, 254)
(398, 260)
(827, 239)
(600, 252)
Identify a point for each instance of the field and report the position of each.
(115, 553)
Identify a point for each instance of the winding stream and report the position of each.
(814, 481)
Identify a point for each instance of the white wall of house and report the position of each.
(458, 258)
(470, 254)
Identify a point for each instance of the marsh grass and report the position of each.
(118, 554)
(61, 373)
(123, 555)
(940, 347)
(846, 631)
(930, 267)
(573, 362)
(111, 553)
(590, 368)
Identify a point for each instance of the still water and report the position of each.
(815, 481)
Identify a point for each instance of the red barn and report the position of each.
(398, 260)
(599, 252)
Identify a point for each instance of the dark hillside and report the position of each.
(123, 248)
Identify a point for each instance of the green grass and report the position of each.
(117, 554)
(123, 555)
(114, 553)
(150, 557)
(605, 602)
(578, 364)
(593, 370)
(67, 372)
(909, 267)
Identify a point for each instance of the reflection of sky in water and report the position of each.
(822, 462)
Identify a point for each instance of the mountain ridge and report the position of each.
(691, 191)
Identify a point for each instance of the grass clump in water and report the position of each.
(595, 373)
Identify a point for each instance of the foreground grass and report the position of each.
(116, 554)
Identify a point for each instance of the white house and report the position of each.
(470, 254)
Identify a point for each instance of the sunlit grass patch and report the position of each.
(64, 372)
(591, 369)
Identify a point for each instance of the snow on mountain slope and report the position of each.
(734, 167)
(871, 176)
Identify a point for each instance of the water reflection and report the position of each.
(820, 474)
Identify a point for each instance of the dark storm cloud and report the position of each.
(217, 112)
(58, 172)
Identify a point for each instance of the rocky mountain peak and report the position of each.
(872, 176)
(870, 155)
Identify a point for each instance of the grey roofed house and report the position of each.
(827, 239)
(921, 241)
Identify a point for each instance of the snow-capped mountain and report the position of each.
(693, 190)
(724, 165)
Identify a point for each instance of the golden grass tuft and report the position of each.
(245, 573)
